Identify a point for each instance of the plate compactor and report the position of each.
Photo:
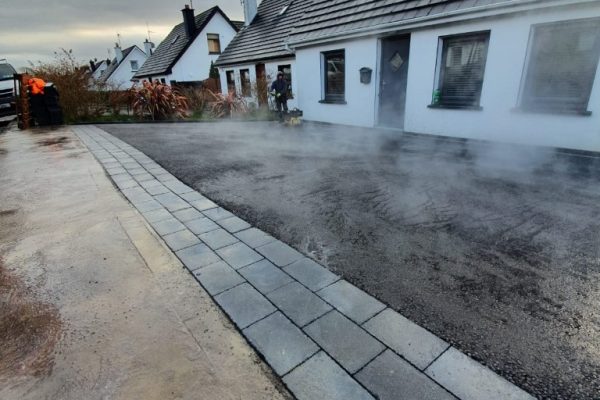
(288, 118)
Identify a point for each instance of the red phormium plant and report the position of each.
(226, 106)
(158, 101)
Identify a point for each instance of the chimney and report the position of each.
(249, 11)
(148, 46)
(92, 65)
(118, 53)
(189, 21)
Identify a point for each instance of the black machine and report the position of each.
(45, 108)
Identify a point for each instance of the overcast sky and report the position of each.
(32, 30)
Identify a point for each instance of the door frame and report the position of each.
(379, 76)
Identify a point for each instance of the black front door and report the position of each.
(394, 75)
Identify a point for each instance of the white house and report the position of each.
(119, 73)
(260, 49)
(97, 69)
(185, 55)
(515, 71)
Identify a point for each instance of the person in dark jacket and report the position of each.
(279, 89)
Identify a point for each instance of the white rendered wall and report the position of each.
(194, 65)
(360, 98)
(271, 69)
(500, 94)
(505, 66)
(121, 77)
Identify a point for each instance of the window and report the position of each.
(163, 81)
(230, 81)
(134, 65)
(214, 43)
(334, 68)
(245, 80)
(461, 68)
(287, 75)
(563, 59)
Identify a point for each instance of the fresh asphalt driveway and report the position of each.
(495, 248)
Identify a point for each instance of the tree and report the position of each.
(214, 71)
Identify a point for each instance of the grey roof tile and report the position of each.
(265, 37)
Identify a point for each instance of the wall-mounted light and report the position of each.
(365, 75)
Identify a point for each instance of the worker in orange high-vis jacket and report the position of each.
(36, 86)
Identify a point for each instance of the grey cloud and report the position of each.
(34, 30)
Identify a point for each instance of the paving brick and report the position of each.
(131, 165)
(164, 177)
(143, 177)
(188, 214)
(172, 202)
(218, 238)
(157, 215)
(218, 277)
(127, 184)
(203, 204)
(150, 183)
(137, 171)
(197, 256)
(283, 345)
(406, 338)
(192, 196)
(201, 225)
(265, 277)
(217, 214)
(254, 237)
(469, 380)
(311, 274)
(234, 224)
(239, 255)
(158, 189)
(116, 171)
(321, 378)
(345, 341)
(137, 195)
(244, 305)
(167, 226)
(351, 301)
(180, 240)
(298, 303)
(390, 377)
(148, 206)
(279, 253)
(121, 178)
(178, 187)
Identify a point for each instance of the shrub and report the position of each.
(227, 106)
(72, 80)
(197, 99)
(158, 101)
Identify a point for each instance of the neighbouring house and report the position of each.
(259, 50)
(97, 69)
(515, 71)
(119, 72)
(186, 54)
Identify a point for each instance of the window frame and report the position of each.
(230, 84)
(442, 57)
(136, 63)
(524, 98)
(281, 68)
(246, 89)
(217, 37)
(329, 98)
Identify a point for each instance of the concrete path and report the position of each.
(93, 305)
(326, 338)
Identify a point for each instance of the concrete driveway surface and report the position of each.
(494, 248)
(93, 305)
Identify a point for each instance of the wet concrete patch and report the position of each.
(55, 141)
(29, 329)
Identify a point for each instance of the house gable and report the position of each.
(176, 44)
